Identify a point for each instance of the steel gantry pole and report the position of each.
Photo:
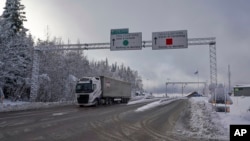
(212, 55)
(213, 63)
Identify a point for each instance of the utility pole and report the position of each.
(229, 80)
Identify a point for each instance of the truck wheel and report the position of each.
(123, 100)
(111, 101)
(96, 102)
(127, 100)
(106, 102)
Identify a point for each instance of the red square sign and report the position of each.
(169, 41)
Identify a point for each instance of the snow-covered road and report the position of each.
(203, 121)
(116, 122)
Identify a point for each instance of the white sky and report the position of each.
(91, 21)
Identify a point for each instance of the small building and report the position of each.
(242, 90)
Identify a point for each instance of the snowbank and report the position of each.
(19, 105)
(239, 112)
(205, 122)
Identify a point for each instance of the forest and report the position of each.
(58, 70)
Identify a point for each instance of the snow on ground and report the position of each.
(239, 112)
(8, 105)
(156, 99)
(160, 102)
(204, 122)
(204, 118)
(141, 99)
(162, 95)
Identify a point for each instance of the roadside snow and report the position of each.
(160, 102)
(205, 122)
(8, 105)
(202, 120)
(239, 112)
(141, 99)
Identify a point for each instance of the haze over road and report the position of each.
(118, 122)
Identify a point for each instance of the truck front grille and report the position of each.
(83, 99)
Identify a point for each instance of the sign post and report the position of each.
(169, 40)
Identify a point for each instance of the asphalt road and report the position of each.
(116, 122)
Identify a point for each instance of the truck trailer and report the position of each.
(101, 90)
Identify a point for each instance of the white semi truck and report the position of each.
(101, 90)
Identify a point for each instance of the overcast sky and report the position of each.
(91, 21)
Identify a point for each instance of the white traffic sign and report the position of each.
(169, 40)
(130, 41)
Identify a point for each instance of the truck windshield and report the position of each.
(84, 88)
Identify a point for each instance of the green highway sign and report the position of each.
(119, 31)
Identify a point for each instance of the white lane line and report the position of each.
(58, 114)
(3, 124)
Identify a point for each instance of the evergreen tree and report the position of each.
(16, 50)
(13, 18)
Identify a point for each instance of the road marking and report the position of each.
(3, 124)
(18, 123)
(58, 114)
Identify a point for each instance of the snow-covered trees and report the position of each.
(60, 67)
(56, 68)
(13, 17)
(16, 50)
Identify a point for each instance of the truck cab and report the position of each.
(88, 91)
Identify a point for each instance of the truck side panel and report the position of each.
(115, 88)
